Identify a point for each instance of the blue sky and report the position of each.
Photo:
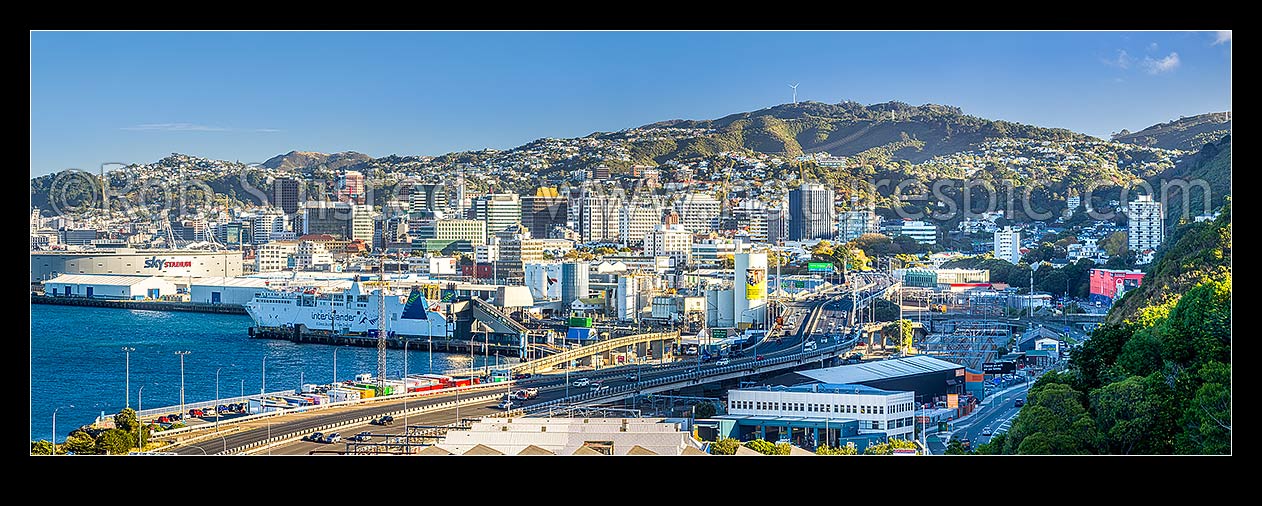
(127, 97)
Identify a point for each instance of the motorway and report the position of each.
(551, 387)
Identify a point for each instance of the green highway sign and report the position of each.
(819, 267)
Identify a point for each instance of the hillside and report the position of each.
(1212, 165)
(307, 159)
(1194, 252)
(1188, 133)
(914, 133)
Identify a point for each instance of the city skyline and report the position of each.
(134, 97)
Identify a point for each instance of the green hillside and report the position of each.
(1188, 133)
(1209, 168)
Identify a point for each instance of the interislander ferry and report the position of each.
(353, 311)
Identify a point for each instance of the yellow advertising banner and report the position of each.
(953, 401)
(755, 283)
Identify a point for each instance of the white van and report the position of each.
(809, 346)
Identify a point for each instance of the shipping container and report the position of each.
(343, 394)
(581, 321)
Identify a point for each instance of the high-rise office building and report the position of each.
(751, 215)
(498, 210)
(856, 222)
(777, 225)
(598, 217)
(637, 218)
(339, 219)
(1144, 224)
(285, 194)
(266, 225)
(698, 212)
(811, 213)
(429, 197)
(669, 240)
(351, 187)
(542, 211)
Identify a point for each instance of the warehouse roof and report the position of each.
(98, 279)
(882, 369)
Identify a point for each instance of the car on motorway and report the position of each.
(582, 382)
(362, 436)
(597, 387)
(521, 376)
(1019, 403)
(317, 437)
(505, 404)
(723, 362)
(759, 357)
(526, 394)
(383, 420)
(987, 431)
(333, 438)
(633, 377)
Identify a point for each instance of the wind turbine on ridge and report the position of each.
(795, 92)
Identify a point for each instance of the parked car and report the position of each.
(521, 376)
(362, 436)
(164, 419)
(332, 438)
(317, 437)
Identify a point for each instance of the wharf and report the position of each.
(193, 307)
(440, 344)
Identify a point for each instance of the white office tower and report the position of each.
(750, 288)
(669, 240)
(698, 212)
(637, 218)
(267, 224)
(598, 217)
(1008, 245)
(1144, 218)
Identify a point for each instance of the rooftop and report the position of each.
(823, 388)
(883, 369)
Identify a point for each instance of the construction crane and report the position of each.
(381, 324)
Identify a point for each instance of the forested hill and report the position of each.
(1155, 379)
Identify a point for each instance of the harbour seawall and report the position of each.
(192, 307)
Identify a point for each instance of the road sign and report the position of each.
(819, 267)
(718, 333)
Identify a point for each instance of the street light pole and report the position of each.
(263, 387)
(127, 377)
(181, 354)
(140, 406)
(405, 391)
(217, 397)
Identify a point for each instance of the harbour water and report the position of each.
(77, 359)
